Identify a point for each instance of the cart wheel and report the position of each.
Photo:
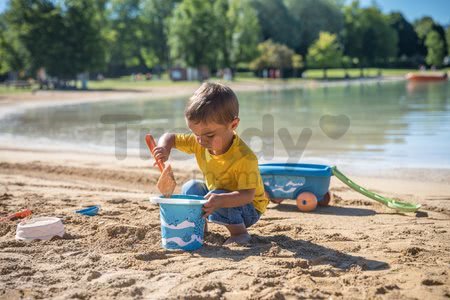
(306, 201)
(276, 201)
(326, 199)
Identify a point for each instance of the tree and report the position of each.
(13, 56)
(435, 48)
(325, 52)
(126, 32)
(63, 37)
(423, 27)
(154, 16)
(311, 17)
(245, 32)
(408, 40)
(85, 45)
(39, 29)
(297, 63)
(353, 33)
(276, 22)
(193, 37)
(222, 33)
(367, 35)
(274, 55)
(447, 35)
(346, 63)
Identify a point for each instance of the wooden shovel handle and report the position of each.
(151, 146)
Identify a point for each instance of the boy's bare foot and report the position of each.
(241, 239)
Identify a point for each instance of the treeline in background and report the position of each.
(120, 37)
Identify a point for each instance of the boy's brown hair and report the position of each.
(212, 102)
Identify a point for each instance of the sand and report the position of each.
(351, 250)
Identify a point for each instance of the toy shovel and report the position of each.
(166, 183)
(18, 215)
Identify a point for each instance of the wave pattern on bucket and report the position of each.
(182, 225)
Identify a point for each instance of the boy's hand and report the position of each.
(161, 154)
(214, 202)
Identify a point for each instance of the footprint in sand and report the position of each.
(93, 275)
(117, 201)
(151, 256)
(431, 282)
(125, 231)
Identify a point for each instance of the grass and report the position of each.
(12, 90)
(125, 82)
(369, 72)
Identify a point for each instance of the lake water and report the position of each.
(394, 124)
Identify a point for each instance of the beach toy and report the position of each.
(166, 183)
(89, 211)
(306, 202)
(288, 181)
(182, 225)
(276, 201)
(391, 203)
(18, 215)
(42, 228)
(326, 199)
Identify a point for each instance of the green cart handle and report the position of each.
(391, 203)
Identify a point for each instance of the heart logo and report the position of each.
(334, 126)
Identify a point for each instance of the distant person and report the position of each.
(42, 78)
(227, 74)
(264, 73)
(277, 73)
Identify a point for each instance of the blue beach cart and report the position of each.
(289, 181)
(309, 185)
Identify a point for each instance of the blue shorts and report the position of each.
(246, 214)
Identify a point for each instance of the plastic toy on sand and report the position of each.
(89, 211)
(17, 215)
(182, 225)
(303, 181)
(41, 228)
(306, 202)
(289, 181)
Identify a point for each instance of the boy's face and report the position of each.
(214, 136)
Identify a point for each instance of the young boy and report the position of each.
(233, 184)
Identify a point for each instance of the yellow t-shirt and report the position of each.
(236, 169)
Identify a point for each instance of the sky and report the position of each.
(439, 10)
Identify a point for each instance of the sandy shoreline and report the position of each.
(351, 250)
(158, 92)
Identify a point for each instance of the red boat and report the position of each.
(427, 76)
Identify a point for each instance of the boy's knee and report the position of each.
(194, 187)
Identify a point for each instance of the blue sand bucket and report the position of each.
(182, 225)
